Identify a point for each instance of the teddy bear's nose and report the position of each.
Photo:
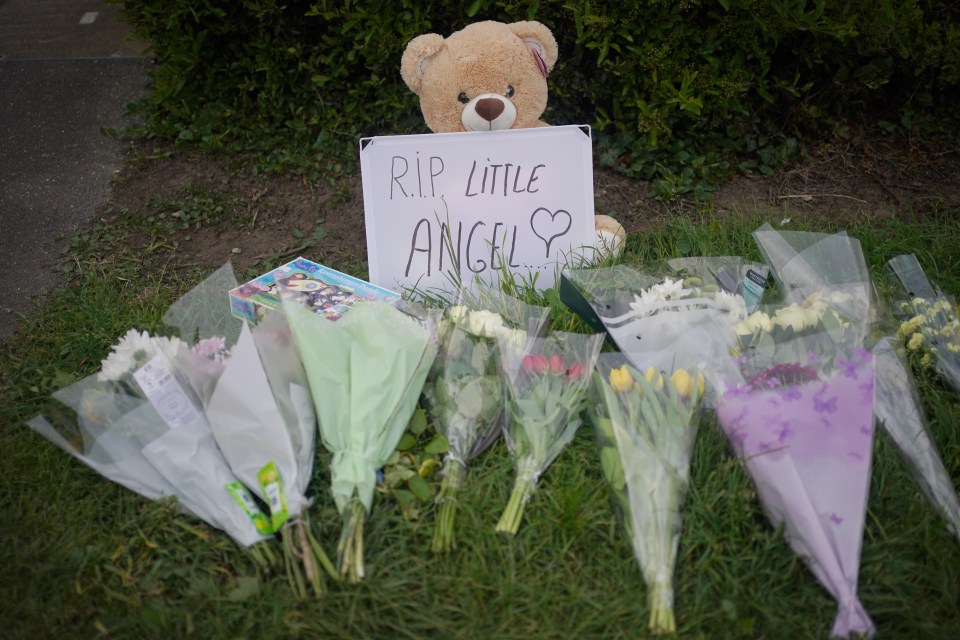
(489, 108)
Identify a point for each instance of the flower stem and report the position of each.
(303, 558)
(662, 621)
(263, 555)
(513, 514)
(350, 547)
(453, 474)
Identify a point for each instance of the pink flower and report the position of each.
(535, 364)
(576, 371)
(557, 365)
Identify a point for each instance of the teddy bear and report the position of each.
(490, 76)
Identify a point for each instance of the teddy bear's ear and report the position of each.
(415, 58)
(540, 40)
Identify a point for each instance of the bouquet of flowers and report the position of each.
(809, 266)
(137, 425)
(464, 391)
(366, 372)
(666, 321)
(929, 324)
(257, 401)
(546, 383)
(800, 412)
(646, 425)
(902, 418)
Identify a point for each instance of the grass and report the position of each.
(82, 557)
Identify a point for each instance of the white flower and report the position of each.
(672, 289)
(513, 340)
(647, 298)
(733, 304)
(457, 312)
(484, 323)
(133, 351)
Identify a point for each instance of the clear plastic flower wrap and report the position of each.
(137, 425)
(902, 419)
(819, 270)
(366, 371)
(464, 392)
(679, 319)
(258, 404)
(646, 424)
(928, 319)
(546, 381)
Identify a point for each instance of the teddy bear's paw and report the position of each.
(488, 112)
(610, 237)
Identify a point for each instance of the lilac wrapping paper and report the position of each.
(808, 448)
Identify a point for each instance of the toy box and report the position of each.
(325, 290)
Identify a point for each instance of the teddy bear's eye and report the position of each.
(510, 91)
(463, 98)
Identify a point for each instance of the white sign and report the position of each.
(520, 199)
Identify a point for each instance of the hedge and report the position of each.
(680, 92)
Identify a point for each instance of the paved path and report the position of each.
(67, 68)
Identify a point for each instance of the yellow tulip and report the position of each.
(682, 382)
(620, 379)
(653, 377)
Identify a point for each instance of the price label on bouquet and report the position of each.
(447, 207)
(165, 394)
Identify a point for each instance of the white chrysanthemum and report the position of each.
(673, 289)
(732, 304)
(133, 351)
(646, 299)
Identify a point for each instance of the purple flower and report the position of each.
(835, 519)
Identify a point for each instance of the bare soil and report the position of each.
(269, 218)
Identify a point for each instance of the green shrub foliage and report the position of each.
(680, 92)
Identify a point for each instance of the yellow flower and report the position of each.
(682, 382)
(796, 317)
(620, 379)
(756, 320)
(653, 377)
(915, 341)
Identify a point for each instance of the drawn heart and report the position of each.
(550, 225)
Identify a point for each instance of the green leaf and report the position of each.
(406, 442)
(403, 496)
(420, 488)
(438, 445)
(296, 233)
(418, 422)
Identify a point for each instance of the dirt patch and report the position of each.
(265, 219)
